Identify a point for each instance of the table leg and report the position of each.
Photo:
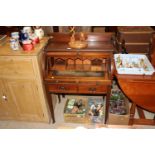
(132, 113)
(140, 112)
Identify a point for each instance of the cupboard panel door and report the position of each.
(24, 94)
(4, 111)
(7, 109)
(16, 67)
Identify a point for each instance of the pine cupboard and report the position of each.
(22, 94)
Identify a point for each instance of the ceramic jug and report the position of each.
(28, 30)
(39, 32)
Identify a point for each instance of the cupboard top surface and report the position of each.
(6, 50)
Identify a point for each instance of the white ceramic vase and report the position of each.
(39, 32)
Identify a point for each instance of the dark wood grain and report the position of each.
(137, 38)
(153, 51)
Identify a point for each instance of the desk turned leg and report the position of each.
(107, 104)
(51, 106)
(132, 113)
(59, 98)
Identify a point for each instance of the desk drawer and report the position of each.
(135, 47)
(96, 89)
(62, 88)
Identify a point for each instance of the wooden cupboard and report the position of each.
(21, 86)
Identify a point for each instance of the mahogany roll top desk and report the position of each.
(78, 71)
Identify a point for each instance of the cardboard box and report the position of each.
(75, 117)
(85, 117)
(96, 109)
(115, 119)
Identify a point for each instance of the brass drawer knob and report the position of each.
(92, 89)
(62, 88)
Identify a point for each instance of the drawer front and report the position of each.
(144, 48)
(62, 88)
(93, 89)
(15, 67)
(136, 37)
(135, 48)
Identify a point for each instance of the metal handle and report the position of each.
(62, 88)
(92, 89)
